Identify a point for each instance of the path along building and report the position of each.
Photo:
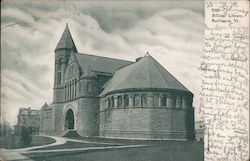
(100, 96)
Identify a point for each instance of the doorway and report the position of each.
(69, 120)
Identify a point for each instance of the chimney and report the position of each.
(138, 59)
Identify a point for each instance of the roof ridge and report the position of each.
(103, 57)
(136, 69)
(100, 64)
(161, 74)
(147, 66)
(171, 75)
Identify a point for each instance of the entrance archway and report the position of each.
(69, 120)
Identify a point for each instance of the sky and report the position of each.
(171, 31)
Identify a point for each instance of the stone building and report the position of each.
(143, 100)
(28, 118)
(46, 118)
(106, 97)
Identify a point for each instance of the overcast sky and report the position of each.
(172, 32)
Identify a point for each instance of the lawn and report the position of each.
(12, 142)
(167, 151)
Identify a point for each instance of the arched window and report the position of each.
(184, 102)
(75, 88)
(109, 102)
(70, 89)
(156, 100)
(189, 101)
(59, 71)
(65, 90)
(112, 102)
(88, 86)
(164, 100)
(126, 100)
(119, 101)
(79, 90)
(136, 100)
(178, 102)
(144, 100)
(174, 101)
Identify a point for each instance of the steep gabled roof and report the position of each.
(100, 65)
(147, 73)
(45, 107)
(66, 41)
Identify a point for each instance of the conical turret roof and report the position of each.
(146, 73)
(66, 41)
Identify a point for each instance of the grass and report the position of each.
(12, 142)
(167, 151)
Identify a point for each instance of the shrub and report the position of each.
(26, 136)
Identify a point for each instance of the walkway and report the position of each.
(12, 155)
(16, 154)
(58, 141)
(84, 149)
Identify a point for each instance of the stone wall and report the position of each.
(46, 121)
(149, 117)
(88, 111)
(85, 112)
(58, 95)
(144, 123)
(58, 119)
